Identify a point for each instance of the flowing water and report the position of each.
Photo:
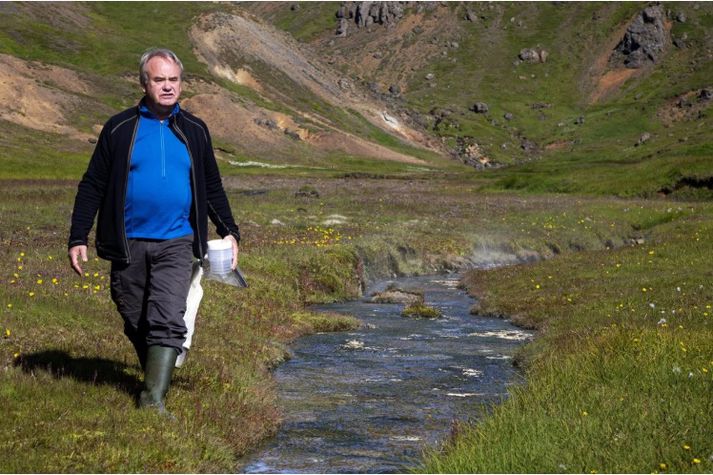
(369, 401)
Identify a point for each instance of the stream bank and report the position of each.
(370, 400)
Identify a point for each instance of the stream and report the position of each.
(371, 400)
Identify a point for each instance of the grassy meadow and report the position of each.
(69, 375)
(621, 376)
(611, 240)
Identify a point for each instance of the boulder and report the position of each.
(508, 116)
(643, 139)
(644, 40)
(528, 146)
(269, 123)
(396, 295)
(532, 55)
(706, 94)
(480, 108)
(342, 28)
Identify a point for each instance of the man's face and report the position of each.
(163, 86)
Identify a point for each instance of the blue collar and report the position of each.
(146, 112)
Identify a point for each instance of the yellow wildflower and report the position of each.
(31, 294)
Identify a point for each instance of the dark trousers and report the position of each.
(150, 292)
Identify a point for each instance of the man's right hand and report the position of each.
(75, 253)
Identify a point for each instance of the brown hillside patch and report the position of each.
(352, 145)
(233, 122)
(226, 42)
(684, 107)
(610, 82)
(398, 57)
(40, 96)
(559, 145)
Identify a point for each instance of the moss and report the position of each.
(421, 310)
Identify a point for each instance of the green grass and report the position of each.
(66, 362)
(116, 35)
(25, 153)
(619, 379)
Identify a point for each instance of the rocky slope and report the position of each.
(418, 84)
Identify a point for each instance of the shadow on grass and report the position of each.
(89, 370)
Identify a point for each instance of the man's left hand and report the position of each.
(236, 249)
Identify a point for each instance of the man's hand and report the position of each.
(234, 242)
(76, 252)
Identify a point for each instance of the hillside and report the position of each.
(65, 69)
(472, 75)
(530, 92)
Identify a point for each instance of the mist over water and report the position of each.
(371, 400)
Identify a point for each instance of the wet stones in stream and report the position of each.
(393, 294)
(413, 300)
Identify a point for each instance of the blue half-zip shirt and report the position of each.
(158, 194)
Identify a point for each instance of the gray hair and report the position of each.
(152, 53)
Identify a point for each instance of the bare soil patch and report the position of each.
(226, 42)
(40, 96)
(610, 82)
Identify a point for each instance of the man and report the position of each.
(154, 180)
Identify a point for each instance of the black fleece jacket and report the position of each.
(103, 186)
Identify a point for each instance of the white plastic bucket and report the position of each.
(220, 256)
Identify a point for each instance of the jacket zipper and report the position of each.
(163, 150)
(126, 186)
(193, 189)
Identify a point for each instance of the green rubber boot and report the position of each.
(160, 361)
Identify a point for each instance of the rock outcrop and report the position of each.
(365, 14)
(644, 41)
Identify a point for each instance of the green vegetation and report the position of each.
(63, 341)
(618, 234)
(622, 365)
(420, 310)
(104, 38)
